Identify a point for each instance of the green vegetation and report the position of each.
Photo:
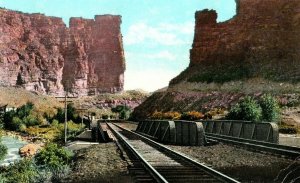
(71, 114)
(53, 156)
(49, 165)
(21, 118)
(3, 150)
(54, 132)
(267, 109)
(25, 119)
(247, 109)
(22, 171)
(270, 108)
(122, 110)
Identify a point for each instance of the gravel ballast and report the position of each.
(242, 164)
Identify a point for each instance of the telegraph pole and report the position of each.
(66, 113)
(66, 117)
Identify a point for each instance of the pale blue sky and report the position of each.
(157, 34)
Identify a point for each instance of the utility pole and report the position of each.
(66, 114)
(66, 117)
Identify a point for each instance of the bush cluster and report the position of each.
(247, 109)
(167, 115)
(21, 118)
(172, 115)
(266, 109)
(71, 115)
(192, 116)
(22, 171)
(122, 110)
(270, 108)
(53, 156)
(50, 165)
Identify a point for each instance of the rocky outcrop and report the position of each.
(41, 54)
(262, 40)
(29, 150)
(246, 55)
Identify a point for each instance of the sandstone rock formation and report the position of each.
(256, 51)
(41, 54)
(262, 40)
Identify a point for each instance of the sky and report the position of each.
(157, 34)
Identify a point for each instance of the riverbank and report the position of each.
(17, 135)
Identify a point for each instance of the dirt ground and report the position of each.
(236, 162)
(291, 116)
(99, 163)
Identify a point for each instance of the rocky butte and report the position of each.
(262, 40)
(258, 49)
(41, 54)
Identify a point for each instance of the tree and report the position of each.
(122, 110)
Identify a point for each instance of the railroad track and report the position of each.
(157, 163)
(282, 150)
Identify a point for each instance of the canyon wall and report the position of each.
(41, 54)
(261, 40)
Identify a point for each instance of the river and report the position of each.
(13, 145)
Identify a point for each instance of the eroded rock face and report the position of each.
(262, 40)
(41, 54)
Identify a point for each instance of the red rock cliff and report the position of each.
(262, 40)
(41, 54)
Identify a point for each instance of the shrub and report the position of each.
(157, 115)
(74, 129)
(123, 110)
(2, 178)
(22, 171)
(50, 134)
(22, 127)
(53, 156)
(25, 110)
(171, 115)
(16, 122)
(105, 116)
(71, 114)
(3, 151)
(246, 109)
(55, 123)
(192, 115)
(270, 108)
(30, 120)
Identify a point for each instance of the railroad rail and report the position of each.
(286, 151)
(163, 163)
